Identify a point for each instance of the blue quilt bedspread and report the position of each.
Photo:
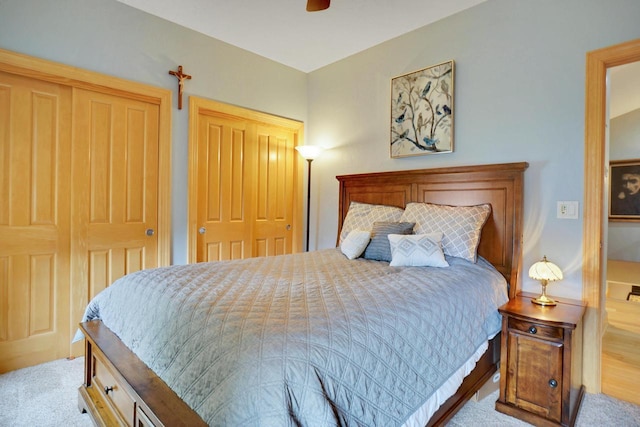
(309, 339)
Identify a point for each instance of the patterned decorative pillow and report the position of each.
(355, 243)
(379, 248)
(417, 250)
(461, 225)
(361, 216)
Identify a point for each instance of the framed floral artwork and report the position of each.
(422, 111)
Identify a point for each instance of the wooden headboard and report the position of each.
(501, 185)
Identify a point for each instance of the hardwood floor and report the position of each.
(621, 351)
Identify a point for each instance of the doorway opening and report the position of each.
(593, 268)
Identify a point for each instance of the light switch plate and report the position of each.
(568, 210)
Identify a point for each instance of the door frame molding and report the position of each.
(198, 106)
(595, 175)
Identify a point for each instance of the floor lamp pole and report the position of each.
(308, 199)
(309, 152)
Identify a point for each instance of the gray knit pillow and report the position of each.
(379, 248)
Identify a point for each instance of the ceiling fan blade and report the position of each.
(316, 5)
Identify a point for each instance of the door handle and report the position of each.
(202, 230)
(150, 232)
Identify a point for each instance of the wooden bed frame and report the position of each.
(119, 389)
(502, 186)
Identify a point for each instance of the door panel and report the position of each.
(534, 362)
(34, 221)
(222, 189)
(116, 139)
(274, 191)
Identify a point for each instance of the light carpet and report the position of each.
(43, 395)
(47, 395)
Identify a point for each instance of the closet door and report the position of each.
(84, 197)
(115, 188)
(244, 189)
(224, 182)
(34, 221)
(274, 191)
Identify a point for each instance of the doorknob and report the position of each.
(150, 232)
(288, 227)
(202, 230)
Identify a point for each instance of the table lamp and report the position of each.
(545, 272)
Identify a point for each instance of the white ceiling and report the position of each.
(284, 31)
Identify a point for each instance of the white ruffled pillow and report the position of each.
(417, 250)
(355, 243)
(461, 225)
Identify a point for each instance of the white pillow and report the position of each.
(461, 225)
(361, 216)
(417, 250)
(355, 243)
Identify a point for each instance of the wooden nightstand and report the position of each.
(541, 361)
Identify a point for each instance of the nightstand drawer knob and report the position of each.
(553, 383)
(108, 389)
(533, 330)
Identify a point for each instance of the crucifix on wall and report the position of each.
(181, 78)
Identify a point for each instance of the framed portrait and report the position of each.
(422, 111)
(624, 190)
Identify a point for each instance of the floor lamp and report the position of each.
(309, 153)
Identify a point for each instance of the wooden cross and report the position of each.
(181, 77)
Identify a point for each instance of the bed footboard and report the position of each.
(120, 390)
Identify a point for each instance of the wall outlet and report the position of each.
(568, 210)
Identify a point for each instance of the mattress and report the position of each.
(307, 339)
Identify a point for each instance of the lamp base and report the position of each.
(543, 300)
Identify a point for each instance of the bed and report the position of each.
(339, 376)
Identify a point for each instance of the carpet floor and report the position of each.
(46, 395)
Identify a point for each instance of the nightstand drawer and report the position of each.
(536, 329)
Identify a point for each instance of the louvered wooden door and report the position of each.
(34, 221)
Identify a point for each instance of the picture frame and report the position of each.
(422, 111)
(624, 190)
